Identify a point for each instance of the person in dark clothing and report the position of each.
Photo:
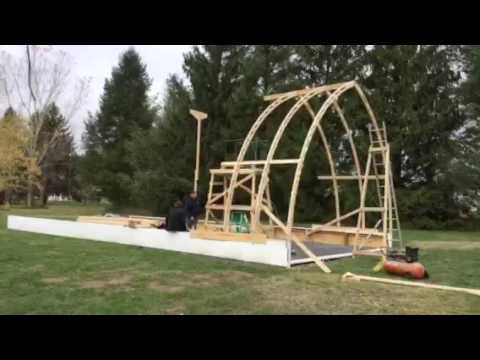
(193, 210)
(176, 218)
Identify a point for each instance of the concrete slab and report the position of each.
(325, 252)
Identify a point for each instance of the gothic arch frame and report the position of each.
(260, 195)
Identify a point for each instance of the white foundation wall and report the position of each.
(273, 252)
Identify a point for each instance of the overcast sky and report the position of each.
(97, 61)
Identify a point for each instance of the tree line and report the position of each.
(35, 129)
(140, 154)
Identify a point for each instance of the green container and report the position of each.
(240, 223)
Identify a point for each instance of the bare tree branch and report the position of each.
(30, 74)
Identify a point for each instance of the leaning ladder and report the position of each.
(380, 162)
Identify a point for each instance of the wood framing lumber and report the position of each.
(352, 177)
(233, 207)
(278, 136)
(122, 221)
(320, 90)
(153, 218)
(345, 229)
(217, 197)
(206, 234)
(230, 171)
(243, 151)
(350, 276)
(343, 217)
(259, 162)
(349, 132)
(378, 149)
(374, 209)
(321, 258)
(198, 115)
(333, 173)
(306, 250)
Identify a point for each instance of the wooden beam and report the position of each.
(321, 258)
(199, 116)
(297, 241)
(233, 207)
(219, 196)
(230, 171)
(259, 162)
(306, 144)
(345, 230)
(206, 234)
(343, 217)
(350, 276)
(322, 89)
(374, 209)
(351, 177)
(344, 122)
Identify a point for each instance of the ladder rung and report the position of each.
(218, 183)
(377, 149)
(374, 130)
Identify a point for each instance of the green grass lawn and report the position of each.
(52, 275)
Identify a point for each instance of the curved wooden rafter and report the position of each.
(349, 133)
(306, 145)
(273, 147)
(243, 151)
(331, 163)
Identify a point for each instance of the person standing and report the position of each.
(192, 210)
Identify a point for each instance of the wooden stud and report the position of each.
(297, 241)
(245, 146)
(219, 196)
(306, 145)
(353, 148)
(350, 276)
(259, 162)
(332, 171)
(351, 177)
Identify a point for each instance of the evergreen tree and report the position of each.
(57, 164)
(414, 91)
(163, 158)
(214, 72)
(124, 109)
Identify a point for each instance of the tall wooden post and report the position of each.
(199, 116)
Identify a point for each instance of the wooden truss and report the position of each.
(252, 178)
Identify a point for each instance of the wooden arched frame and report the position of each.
(333, 93)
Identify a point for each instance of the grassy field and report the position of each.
(51, 275)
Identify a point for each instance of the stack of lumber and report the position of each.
(130, 221)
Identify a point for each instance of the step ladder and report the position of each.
(381, 165)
